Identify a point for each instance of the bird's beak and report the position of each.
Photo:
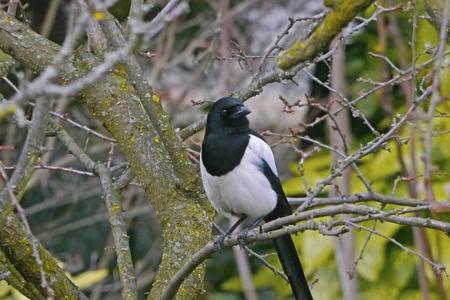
(240, 112)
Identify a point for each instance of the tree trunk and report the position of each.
(170, 181)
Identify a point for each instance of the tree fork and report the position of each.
(110, 100)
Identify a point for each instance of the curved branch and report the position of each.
(31, 150)
(115, 103)
(18, 244)
(267, 232)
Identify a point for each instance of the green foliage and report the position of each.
(89, 278)
(83, 280)
(385, 270)
(315, 169)
(371, 265)
(427, 43)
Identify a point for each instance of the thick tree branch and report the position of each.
(19, 251)
(342, 13)
(114, 101)
(6, 63)
(33, 262)
(15, 279)
(152, 106)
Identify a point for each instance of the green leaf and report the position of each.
(89, 278)
(373, 261)
(317, 250)
(18, 295)
(232, 285)
(316, 168)
(401, 268)
(328, 285)
(428, 37)
(5, 288)
(223, 296)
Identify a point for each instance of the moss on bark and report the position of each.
(16, 280)
(184, 223)
(171, 183)
(343, 12)
(18, 250)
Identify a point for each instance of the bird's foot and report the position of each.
(218, 241)
(242, 237)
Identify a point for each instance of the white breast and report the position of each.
(245, 189)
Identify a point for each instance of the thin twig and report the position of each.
(439, 267)
(114, 207)
(367, 213)
(33, 241)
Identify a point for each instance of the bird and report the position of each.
(240, 179)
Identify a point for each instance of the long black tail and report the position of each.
(288, 254)
(292, 267)
(284, 245)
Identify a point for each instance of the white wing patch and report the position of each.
(245, 189)
(262, 150)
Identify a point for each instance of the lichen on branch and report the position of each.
(342, 13)
(114, 101)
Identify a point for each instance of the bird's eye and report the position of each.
(224, 111)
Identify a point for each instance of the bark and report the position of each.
(23, 255)
(6, 63)
(111, 197)
(18, 250)
(17, 281)
(176, 199)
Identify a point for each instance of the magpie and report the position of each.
(240, 179)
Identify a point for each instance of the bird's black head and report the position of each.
(228, 115)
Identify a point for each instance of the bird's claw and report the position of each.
(242, 237)
(218, 241)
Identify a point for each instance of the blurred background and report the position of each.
(214, 49)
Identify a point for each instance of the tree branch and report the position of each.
(114, 101)
(343, 12)
(18, 249)
(111, 197)
(15, 279)
(26, 254)
(266, 231)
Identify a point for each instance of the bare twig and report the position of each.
(81, 126)
(357, 198)
(435, 98)
(439, 267)
(12, 7)
(367, 213)
(118, 225)
(33, 241)
(363, 151)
